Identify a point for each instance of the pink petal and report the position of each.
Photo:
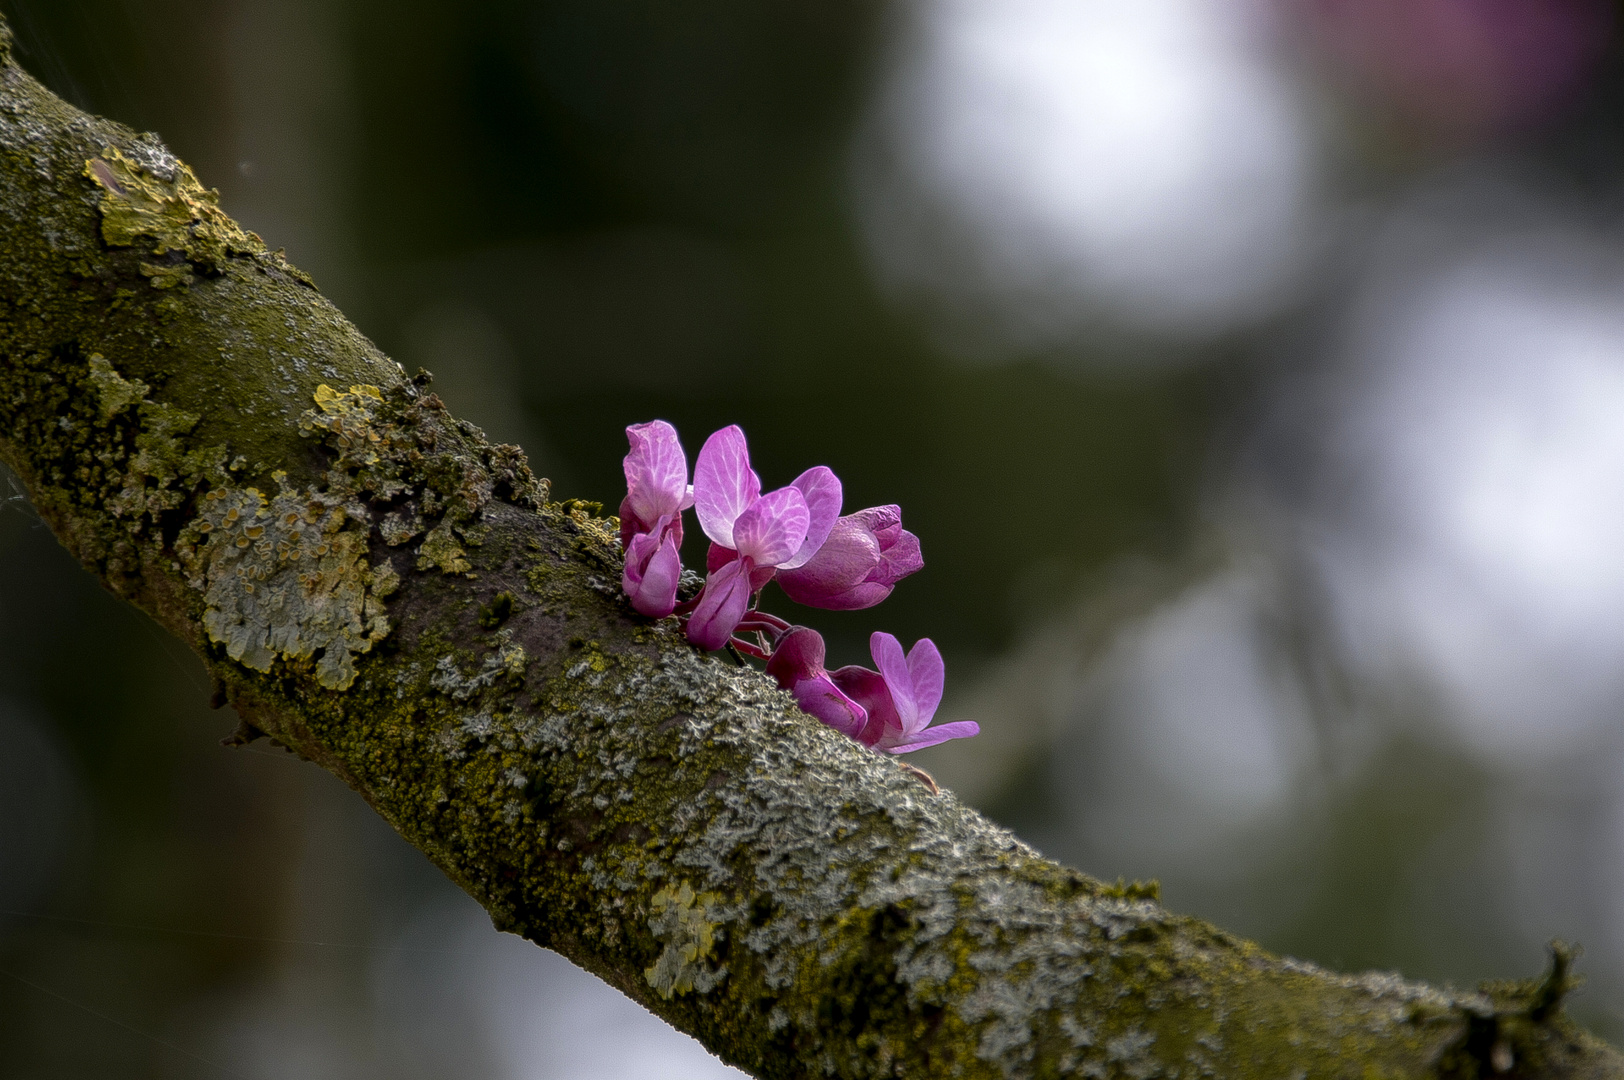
(638, 552)
(717, 556)
(869, 690)
(823, 699)
(888, 657)
(656, 471)
(773, 527)
(845, 561)
(656, 595)
(799, 655)
(859, 597)
(630, 523)
(899, 548)
(900, 557)
(726, 597)
(821, 488)
(724, 484)
(959, 729)
(879, 519)
(645, 540)
(928, 674)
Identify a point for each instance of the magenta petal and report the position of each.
(638, 552)
(882, 521)
(717, 556)
(928, 674)
(899, 548)
(821, 489)
(799, 655)
(724, 484)
(721, 606)
(773, 527)
(656, 595)
(823, 699)
(958, 729)
(868, 689)
(900, 558)
(857, 598)
(865, 555)
(889, 658)
(630, 523)
(844, 562)
(656, 471)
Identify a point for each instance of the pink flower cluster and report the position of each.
(796, 536)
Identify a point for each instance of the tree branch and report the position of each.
(375, 586)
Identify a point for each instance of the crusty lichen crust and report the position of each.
(160, 206)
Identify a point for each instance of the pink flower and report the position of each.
(901, 698)
(753, 535)
(657, 493)
(797, 664)
(890, 709)
(866, 554)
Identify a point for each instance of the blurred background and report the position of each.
(1252, 370)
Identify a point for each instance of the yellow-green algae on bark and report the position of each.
(378, 588)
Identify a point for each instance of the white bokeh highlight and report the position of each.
(1480, 558)
(1060, 164)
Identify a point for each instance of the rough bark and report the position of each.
(379, 589)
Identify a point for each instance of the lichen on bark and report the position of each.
(686, 923)
(376, 586)
(159, 202)
(287, 578)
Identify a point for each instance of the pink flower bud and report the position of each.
(797, 664)
(657, 493)
(866, 554)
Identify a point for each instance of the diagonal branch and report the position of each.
(374, 585)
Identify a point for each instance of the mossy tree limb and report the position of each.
(378, 588)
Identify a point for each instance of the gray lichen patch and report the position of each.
(686, 923)
(287, 577)
(863, 915)
(508, 662)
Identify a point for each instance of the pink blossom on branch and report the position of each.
(657, 493)
(890, 709)
(753, 535)
(902, 697)
(866, 554)
(797, 664)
